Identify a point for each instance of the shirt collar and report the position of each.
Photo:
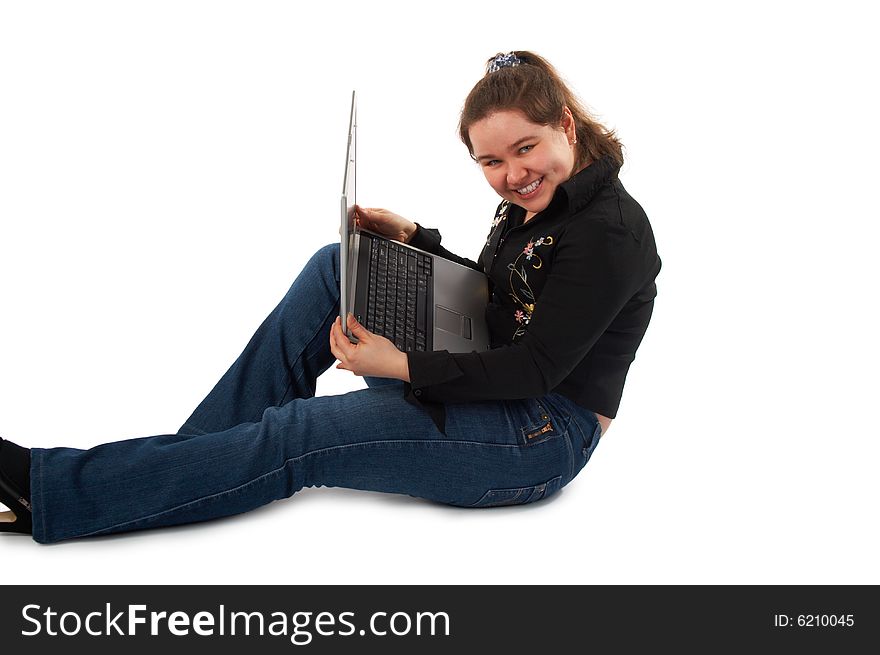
(581, 187)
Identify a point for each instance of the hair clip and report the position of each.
(508, 60)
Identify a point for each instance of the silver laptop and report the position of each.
(419, 301)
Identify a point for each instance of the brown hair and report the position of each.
(535, 88)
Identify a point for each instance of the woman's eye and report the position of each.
(489, 163)
(525, 149)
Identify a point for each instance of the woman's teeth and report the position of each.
(528, 189)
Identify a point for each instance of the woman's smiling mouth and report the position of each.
(531, 189)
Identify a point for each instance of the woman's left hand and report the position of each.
(373, 355)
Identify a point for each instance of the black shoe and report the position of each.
(18, 519)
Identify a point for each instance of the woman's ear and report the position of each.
(568, 126)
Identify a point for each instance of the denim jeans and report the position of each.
(262, 434)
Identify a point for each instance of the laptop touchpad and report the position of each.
(450, 321)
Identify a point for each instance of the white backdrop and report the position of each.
(166, 168)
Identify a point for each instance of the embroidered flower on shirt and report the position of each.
(500, 216)
(520, 290)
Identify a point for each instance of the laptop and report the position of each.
(419, 301)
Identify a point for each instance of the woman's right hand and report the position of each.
(386, 223)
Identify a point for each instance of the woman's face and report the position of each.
(524, 162)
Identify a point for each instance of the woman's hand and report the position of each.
(386, 223)
(373, 355)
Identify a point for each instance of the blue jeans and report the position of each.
(261, 435)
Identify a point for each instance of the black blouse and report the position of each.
(572, 291)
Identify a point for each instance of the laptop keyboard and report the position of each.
(397, 298)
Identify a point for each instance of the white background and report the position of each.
(167, 167)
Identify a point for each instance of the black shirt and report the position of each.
(572, 291)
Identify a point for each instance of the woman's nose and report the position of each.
(516, 176)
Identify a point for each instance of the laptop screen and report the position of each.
(346, 230)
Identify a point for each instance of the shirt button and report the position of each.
(418, 392)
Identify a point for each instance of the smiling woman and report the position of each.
(537, 160)
(571, 263)
(527, 84)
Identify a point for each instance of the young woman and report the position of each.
(571, 261)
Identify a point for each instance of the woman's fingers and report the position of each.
(340, 345)
(339, 342)
(358, 330)
(363, 213)
(371, 355)
(352, 357)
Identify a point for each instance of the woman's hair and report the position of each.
(527, 82)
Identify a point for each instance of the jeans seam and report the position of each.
(570, 449)
(280, 469)
(42, 493)
(540, 488)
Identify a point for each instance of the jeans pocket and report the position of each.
(519, 496)
(590, 446)
(538, 425)
(584, 434)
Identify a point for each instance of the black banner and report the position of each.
(437, 619)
